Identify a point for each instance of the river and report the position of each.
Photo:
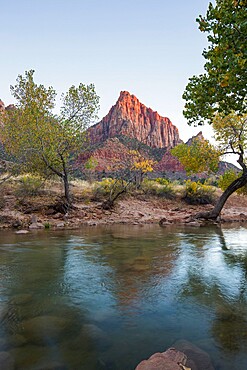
(108, 297)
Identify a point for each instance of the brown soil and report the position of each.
(140, 209)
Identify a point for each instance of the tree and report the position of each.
(219, 95)
(90, 167)
(44, 143)
(222, 88)
(128, 170)
(139, 166)
(197, 157)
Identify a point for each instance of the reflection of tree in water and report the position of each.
(229, 326)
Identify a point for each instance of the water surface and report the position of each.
(106, 298)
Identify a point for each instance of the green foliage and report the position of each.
(103, 188)
(30, 185)
(198, 157)
(108, 188)
(198, 193)
(231, 133)
(227, 178)
(91, 163)
(90, 167)
(222, 88)
(162, 188)
(42, 142)
(162, 181)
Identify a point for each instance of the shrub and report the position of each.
(198, 193)
(154, 187)
(162, 181)
(30, 185)
(103, 188)
(108, 188)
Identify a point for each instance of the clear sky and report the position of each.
(147, 47)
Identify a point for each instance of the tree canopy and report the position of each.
(218, 96)
(41, 141)
(222, 88)
(197, 157)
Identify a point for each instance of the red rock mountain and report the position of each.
(131, 125)
(132, 119)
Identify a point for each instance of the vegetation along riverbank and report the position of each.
(29, 203)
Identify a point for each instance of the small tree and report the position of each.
(44, 143)
(89, 168)
(128, 170)
(231, 135)
(219, 95)
(139, 166)
(197, 157)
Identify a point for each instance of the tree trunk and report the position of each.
(66, 189)
(234, 186)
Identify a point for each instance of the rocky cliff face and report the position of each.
(130, 118)
(3, 109)
(199, 137)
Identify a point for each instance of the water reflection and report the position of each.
(105, 298)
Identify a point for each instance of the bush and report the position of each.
(30, 185)
(107, 188)
(164, 188)
(198, 193)
(162, 181)
(227, 178)
(103, 188)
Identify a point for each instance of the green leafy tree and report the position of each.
(44, 143)
(222, 88)
(219, 95)
(227, 178)
(197, 157)
(90, 168)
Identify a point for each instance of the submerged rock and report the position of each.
(20, 299)
(197, 358)
(6, 361)
(45, 329)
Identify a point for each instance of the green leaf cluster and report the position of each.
(197, 157)
(198, 193)
(222, 88)
(231, 133)
(44, 143)
(227, 178)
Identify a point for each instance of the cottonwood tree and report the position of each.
(44, 143)
(198, 156)
(219, 95)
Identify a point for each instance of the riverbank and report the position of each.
(43, 211)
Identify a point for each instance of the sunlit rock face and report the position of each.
(131, 125)
(2, 106)
(130, 118)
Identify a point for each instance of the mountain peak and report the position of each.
(130, 118)
(198, 136)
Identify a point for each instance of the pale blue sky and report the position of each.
(147, 47)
